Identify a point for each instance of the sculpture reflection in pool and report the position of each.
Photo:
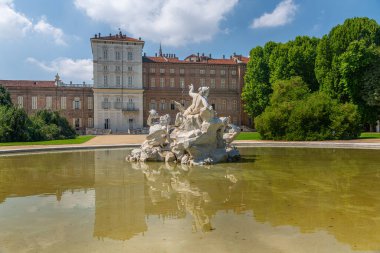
(198, 136)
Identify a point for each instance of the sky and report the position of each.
(39, 38)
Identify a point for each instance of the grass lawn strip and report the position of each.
(78, 140)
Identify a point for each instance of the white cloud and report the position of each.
(14, 24)
(173, 22)
(283, 14)
(69, 69)
(45, 28)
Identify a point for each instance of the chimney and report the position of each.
(224, 57)
(209, 55)
(99, 35)
(155, 54)
(234, 54)
(198, 54)
(144, 54)
(71, 82)
(203, 54)
(110, 34)
(139, 38)
(96, 35)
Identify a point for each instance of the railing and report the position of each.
(106, 105)
(125, 106)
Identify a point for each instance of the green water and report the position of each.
(274, 200)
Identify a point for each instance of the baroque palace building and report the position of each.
(128, 83)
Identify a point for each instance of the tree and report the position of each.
(49, 125)
(5, 98)
(257, 87)
(13, 124)
(328, 70)
(296, 114)
(277, 61)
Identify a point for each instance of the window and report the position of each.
(202, 71)
(171, 71)
(233, 84)
(105, 79)
(172, 105)
(130, 81)
(182, 71)
(152, 70)
(162, 82)
(202, 81)
(162, 71)
(90, 103)
(222, 72)
(77, 123)
(76, 103)
(90, 122)
(105, 68)
(163, 105)
(130, 56)
(34, 103)
(129, 68)
(182, 102)
(130, 123)
(107, 123)
(118, 81)
(172, 82)
(152, 82)
(117, 55)
(153, 105)
(48, 102)
(212, 71)
(224, 104)
(118, 69)
(233, 72)
(105, 53)
(222, 83)
(212, 83)
(63, 103)
(20, 102)
(234, 105)
(182, 82)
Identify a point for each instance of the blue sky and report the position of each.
(39, 38)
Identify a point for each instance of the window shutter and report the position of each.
(80, 104)
(73, 104)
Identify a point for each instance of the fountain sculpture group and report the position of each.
(198, 136)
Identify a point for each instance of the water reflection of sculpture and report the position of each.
(172, 182)
(197, 137)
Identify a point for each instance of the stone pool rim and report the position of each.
(238, 144)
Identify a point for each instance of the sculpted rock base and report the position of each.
(198, 137)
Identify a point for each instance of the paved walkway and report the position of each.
(120, 141)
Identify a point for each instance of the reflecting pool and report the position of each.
(274, 200)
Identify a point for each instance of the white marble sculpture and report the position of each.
(198, 137)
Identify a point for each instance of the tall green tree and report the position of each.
(277, 61)
(5, 98)
(328, 69)
(257, 86)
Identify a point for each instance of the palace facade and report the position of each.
(128, 83)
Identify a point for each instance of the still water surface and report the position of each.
(275, 200)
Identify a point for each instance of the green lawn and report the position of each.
(256, 136)
(78, 140)
(369, 136)
(248, 136)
